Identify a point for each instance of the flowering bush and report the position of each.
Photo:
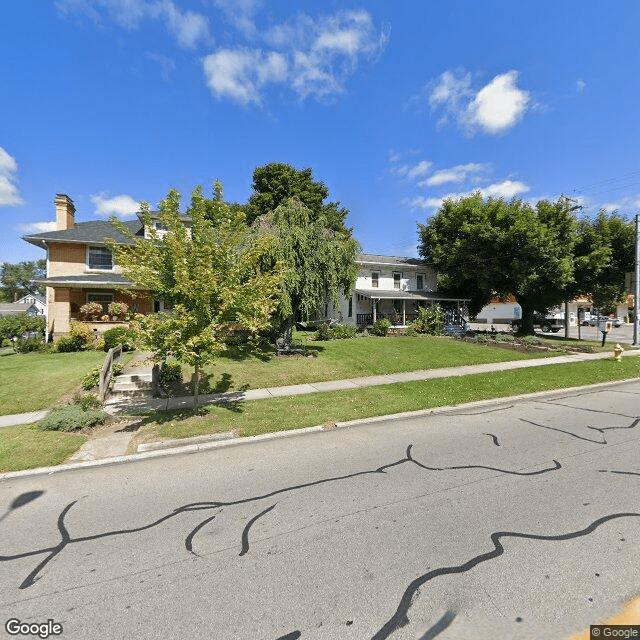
(91, 310)
(118, 309)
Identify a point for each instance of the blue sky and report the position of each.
(395, 104)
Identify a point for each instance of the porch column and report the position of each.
(404, 312)
(374, 302)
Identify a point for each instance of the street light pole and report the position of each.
(636, 285)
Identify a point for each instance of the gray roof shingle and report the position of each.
(94, 232)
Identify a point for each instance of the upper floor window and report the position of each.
(99, 258)
(374, 279)
(396, 279)
(420, 282)
(160, 226)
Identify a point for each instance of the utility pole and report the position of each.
(567, 202)
(636, 284)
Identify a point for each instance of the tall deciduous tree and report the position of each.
(319, 262)
(275, 183)
(605, 251)
(483, 248)
(211, 275)
(18, 279)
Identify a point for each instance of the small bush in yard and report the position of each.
(91, 379)
(67, 344)
(430, 320)
(381, 327)
(82, 332)
(323, 332)
(71, 418)
(87, 401)
(342, 331)
(504, 337)
(170, 372)
(29, 345)
(119, 335)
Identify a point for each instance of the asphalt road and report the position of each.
(505, 520)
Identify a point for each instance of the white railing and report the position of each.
(113, 355)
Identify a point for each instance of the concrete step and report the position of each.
(134, 377)
(131, 386)
(132, 393)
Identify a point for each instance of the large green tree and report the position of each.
(605, 251)
(277, 182)
(318, 261)
(483, 248)
(214, 275)
(18, 279)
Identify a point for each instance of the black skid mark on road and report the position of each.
(600, 430)
(494, 438)
(210, 505)
(188, 543)
(31, 579)
(624, 473)
(479, 413)
(400, 617)
(294, 635)
(245, 532)
(570, 406)
(555, 467)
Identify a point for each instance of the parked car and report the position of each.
(548, 323)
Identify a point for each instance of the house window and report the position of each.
(99, 258)
(350, 314)
(420, 282)
(396, 279)
(161, 227)
(105, 299)
(374, 279)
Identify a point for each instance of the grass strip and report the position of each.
(278, 414)
(32, 381)
(26, 447)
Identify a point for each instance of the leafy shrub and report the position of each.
(323, 332)
(170, 372)
(119, 335)
(411, 331)
(92, 379)
(430, 320)
(91, 310)
(87, 401)
(68, 343)
(71, 418)
(531, 340)
(504, 337)
(381, 327)
(16, 325)
(29, 345)
(118, 308)
(82, 332)
(483, 338)
(5, 342)
(342, 331)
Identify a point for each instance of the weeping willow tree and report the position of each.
(211, 274)
(318, 261)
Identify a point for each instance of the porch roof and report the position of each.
(98, 280)
(400, 294)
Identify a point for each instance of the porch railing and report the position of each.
(366, 319)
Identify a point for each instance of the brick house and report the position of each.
(80, 268)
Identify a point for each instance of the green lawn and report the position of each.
(279, 414)
(351, 358)
(25, 447)
(32, 381)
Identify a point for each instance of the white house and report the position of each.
(391, 287)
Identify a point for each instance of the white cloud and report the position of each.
(37, 227)
(507, 189)
(166, 64)
(241, 74)
(122, 206)
(459, 173)
(581, 85)
(495, 108)
(311, 56)
(187, 27)
(240, 14)
(9, 194)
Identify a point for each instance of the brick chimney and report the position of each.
(64, 212)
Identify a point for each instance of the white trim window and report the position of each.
(397, 279)
(99, 257)
(375, 279)
(420, 281)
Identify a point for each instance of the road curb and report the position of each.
(208, 443)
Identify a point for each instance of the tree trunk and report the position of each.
(526, 325)
(287, 335)
(196, 384)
